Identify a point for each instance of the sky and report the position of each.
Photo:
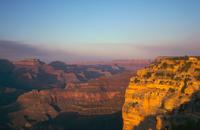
(99, 29)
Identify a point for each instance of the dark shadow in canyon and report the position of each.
(74, 121)
(4, 119)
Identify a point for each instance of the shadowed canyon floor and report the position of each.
(74, 121)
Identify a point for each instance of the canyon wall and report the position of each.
(164, 96)
(100, 96)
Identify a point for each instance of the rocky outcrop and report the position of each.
(28, 63)
(165, 95)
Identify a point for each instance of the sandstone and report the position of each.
(164, 95)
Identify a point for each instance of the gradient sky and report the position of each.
(104, 28)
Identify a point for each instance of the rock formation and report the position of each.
(164, 96)
(33, 92)
(100, 96)
(129, 64)
(34, 74)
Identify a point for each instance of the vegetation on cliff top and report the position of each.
(164, 95)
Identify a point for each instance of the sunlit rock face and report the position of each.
(164, 95)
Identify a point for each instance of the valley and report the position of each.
(34, 92)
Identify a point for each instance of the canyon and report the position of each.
(101, 96)
(159, 95)
(35, 93)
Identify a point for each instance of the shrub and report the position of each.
(171, 90)
(198, 77)
(186, 66)
(148, 75)
(171, 75)
(160, 73)
(164, 66)
(136, 80)
(134, 104)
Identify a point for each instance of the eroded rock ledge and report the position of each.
(164, 95)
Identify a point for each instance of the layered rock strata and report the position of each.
(164, 96)
(97, 97)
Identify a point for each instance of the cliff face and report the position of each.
(164, 95)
